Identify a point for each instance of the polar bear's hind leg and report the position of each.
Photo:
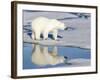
(37, 35)
(33, 35)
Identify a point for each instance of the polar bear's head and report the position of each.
(58, 24)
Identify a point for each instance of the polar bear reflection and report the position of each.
(42, 57)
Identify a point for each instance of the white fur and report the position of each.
(43, 25)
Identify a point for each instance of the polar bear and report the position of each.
(43, 25)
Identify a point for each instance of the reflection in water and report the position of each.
(39, 56)
(42, 56)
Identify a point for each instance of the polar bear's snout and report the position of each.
(66, 28)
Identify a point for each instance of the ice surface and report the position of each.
(80, 62)
(77, 35)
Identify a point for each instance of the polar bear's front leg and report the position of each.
(54, 33)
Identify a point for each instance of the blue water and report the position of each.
(67, 52)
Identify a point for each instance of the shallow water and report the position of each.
(37, 56)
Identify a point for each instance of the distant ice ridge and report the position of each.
(29, 16)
